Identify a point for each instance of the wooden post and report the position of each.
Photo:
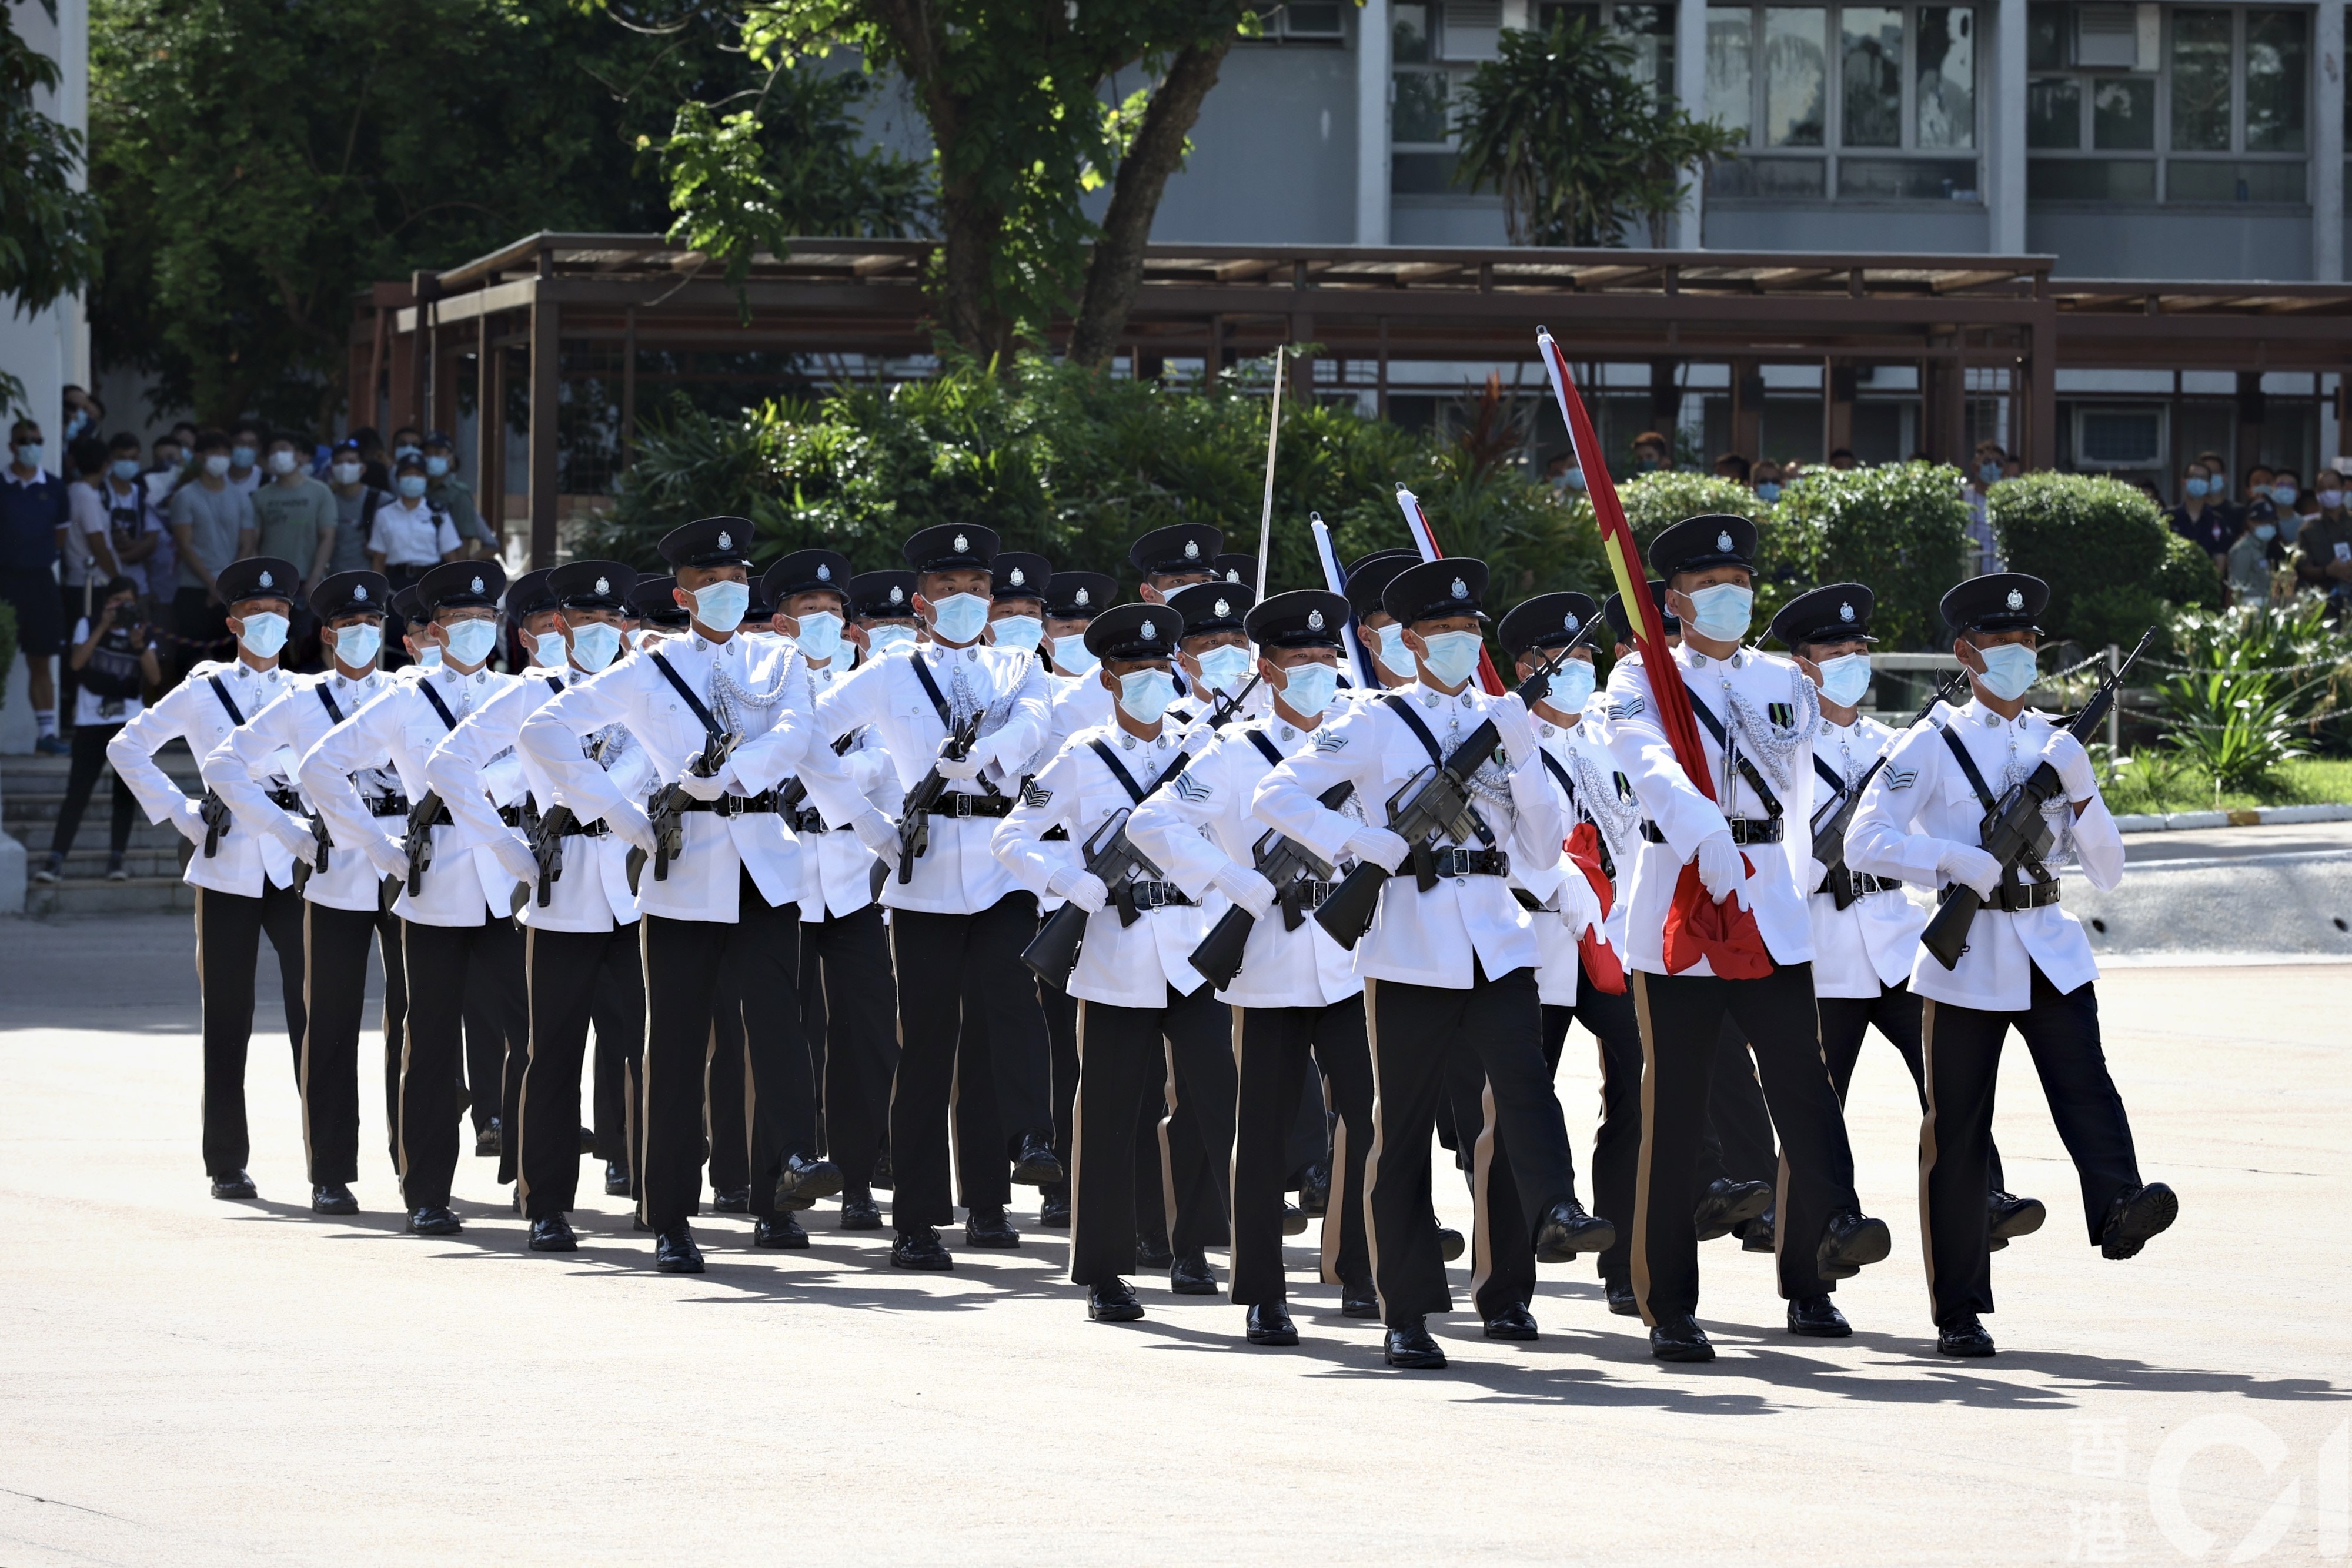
(629, 388)
(546, 322)
(1748, 410)
(1837, 406)
(489, 430)
(1302, 367)
(493, 473)
(1213, 363)
(1381, 381)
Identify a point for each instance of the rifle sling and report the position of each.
(1747, 768)
(709, 725)
(1984, 792)
(1135, 793)
(1413, 722)
(449, 719)
(226, 700)
(1552, 765)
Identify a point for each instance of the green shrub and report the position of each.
(2119, 614)
(1654, 502)
(2186, 577)
(1901, 530)
(2079, 533)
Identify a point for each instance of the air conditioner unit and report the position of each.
(2127, 437)
(2117, 37)
(1471, 30)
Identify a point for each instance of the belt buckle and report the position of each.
(962, 799)
(729, 806)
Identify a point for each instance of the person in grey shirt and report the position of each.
(454, 496)
(211, 520)
(355, 505)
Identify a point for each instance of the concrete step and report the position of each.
(87, 861)
(141, 895)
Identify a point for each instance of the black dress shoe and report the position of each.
(1153, 1251)
(1567, 1230)
(1315, 1190)
(1512, 1321)
(778, 1230)
(860, 1214)
(637, 1223)
(730, 1201)
(485, 1140)
(1037, 1164)
(1621, 1299)
(674, 1252)
(1963, 1335)
(333, 1197)
(883, 1177)
(552, 1233)
(1189, 1276)
(235, 1184)
(1450, 1244)
(1817, 1317)
(1294, 1220)
(1409, 1346)
(1269, 1323)
(433, 1219)
(587, 1140)
(1758, 1236)
(1054, 1209)
(1726, 1203)
(805, 1181)
(987, 1227)
(2007, 1217)
(920, 1249)
(2135, 1216)
(1680, 1338)
(617, 1179)
(1359, 1299)
(1850, 1242)
(1113, 1303)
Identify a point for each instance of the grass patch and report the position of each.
(2157, 780)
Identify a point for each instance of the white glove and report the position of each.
(1517, 734)
(1378, 846)
(1083, 888)
(1969, 866)
(2065, 753)
(514, 857)
(1579, 907)
(697, 787)
(295, 833)
(632, 827)
(1720, 869)
(878, 834)
(1246, 888)
(189, 818)
(963, 769)
(384, 852)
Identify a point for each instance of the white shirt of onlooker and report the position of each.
(87, 510)
(410, 533)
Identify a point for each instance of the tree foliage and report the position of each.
(49, 227)
(1901, 529)
(1577, 145)
(2099, 543)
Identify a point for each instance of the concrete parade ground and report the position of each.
(192, 1382)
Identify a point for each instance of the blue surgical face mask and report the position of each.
(29, 455)
(882, 639)
(470, 641)
(1072, 657)
(1989, 471)
(549, 652)
(264, 634)
(1571, 480)
(125, 469)
(2284, 495)
(959, 617)
(1224, 667)
(1723, 611)
(436, 466)
(2009, 670)
(430, 659)
(411, 485)
(820, 637)
(1308, 688)
(75, 422)
(595, 645)
(2267, 532)
(358, 645)
(1845, 678)
(1452, 656)
(242, 457)
(216, 463)
(1022, 632)
(721, 605)
(2196, 487)
(1571, 686)
(406, 449)
(1769, 491)
(1388, 647)
(1144, 694)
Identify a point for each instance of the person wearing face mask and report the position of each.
(1215, 656)
(244, 882)
(2027, 965)
(1448, 965)
(246, 447)
(885, 606)
(135, 530)
(1767, 478)
(1865, 933)
(722, 920)
(453, 496)
(1133, 981)
(2204, 517)
(1755, 714)
(1297, 995)
(659, 614)
(846, 994)
(294, 520)
(581, 950)
(1175, 557)
(958, 919)
(356, 503)
(341, 906)
(2258, 550)
(455, 909)
(114, 654)
(1376, 632)
(409, 536)
(1580, 930)
(209, 516)
(2323, 548)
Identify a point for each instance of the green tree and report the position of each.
(49, 228)
(1577, 145)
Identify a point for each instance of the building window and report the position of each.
(1859, 102)
(2182, 105)
(1303, 22)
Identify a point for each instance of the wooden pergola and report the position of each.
(1947, 314)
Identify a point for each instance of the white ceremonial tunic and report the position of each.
(837, 868)
(192, 712)
(957, 875)
(1870, 943)
(1922, 800)
(461, 886)
(1585, 780)
(271, 746)
(1201, 823)
(1424, 939)
(1743, 692)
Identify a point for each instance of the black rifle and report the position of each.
(1221, 708)
(303, 871)
(2015, 831)
(1829, 832)
(418, 844)
(1433, 802)
(1289, 866)
(214, 813)
(666, 811)
(795, 788)
(915, 811)
(547, 834)
(1537, 687)
(1055, 951)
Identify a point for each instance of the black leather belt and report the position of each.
(389, 806)
(958, 803)
(511, 815)
(286, 799)
(808, 819)
(1744, 830)
(576, 828)
(1858, 886)
(734, 805)
(1309, 894)
(2014, 897)
(1143, 895)
(1453, 862)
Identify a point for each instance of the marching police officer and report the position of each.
(1175, 557)
(1377, 631)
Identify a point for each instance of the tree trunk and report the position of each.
(1115, 272)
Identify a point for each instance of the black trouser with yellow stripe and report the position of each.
(1520, 1164)
(438, 959)
(1617, 1148)
(334, 958)
(574, 977)
(229, 928)
(1681, 1019)
(1273, 1045)
(1130, 1057)
(849, 1013)
(1846, 1019)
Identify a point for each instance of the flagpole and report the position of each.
(1266, 512)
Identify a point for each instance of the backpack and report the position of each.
(112, 669)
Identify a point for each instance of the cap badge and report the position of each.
(478, 585)
(1315, 621)
(604, 585)
(1225, 608)
(897, 595)
(1723, 541)
(961, 543)
(1192, 550)
(1151, 630)
(2016, 599)
(1845, 610)
(1084, 597)
(1233, 574)
(823, 573)
(1568, 622)
(726, 540)
(359, 593)
(1019, 578)
(1460, 590)
(268, 581)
